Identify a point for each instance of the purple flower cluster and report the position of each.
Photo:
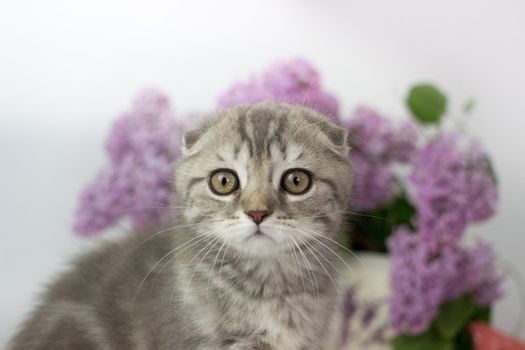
(142, 147)
(423, 279)
(453, 186)
(294, 82)
(377, 144)
(417, 283)
(475, 274)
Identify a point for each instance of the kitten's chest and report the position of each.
(283, 324)
(262, 304)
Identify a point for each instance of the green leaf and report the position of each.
(426, 103)
(401, 212)
(482, 314)
(371, 229)
(464, 340)
(453, 316)
(426, 341)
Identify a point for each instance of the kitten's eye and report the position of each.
(296, 181)
(223, 182)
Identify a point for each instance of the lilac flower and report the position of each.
(423, 278)
(379, 138)
(402, 142)
(294, 82)
(417, 283)
(376, 145)
(373, 182)
(142, 146)
(482, 191)
(475, 274)
(452, 187)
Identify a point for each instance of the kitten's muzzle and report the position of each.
(258, 216)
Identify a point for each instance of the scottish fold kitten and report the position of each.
(249, 263)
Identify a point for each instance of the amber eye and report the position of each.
(296, 181)
(223, 182)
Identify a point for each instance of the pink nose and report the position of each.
(258, 215)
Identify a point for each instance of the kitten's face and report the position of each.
(265, 178)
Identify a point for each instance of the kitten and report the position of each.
(250, 262)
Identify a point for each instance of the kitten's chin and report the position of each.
(259, 243)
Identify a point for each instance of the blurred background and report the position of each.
(67, 69)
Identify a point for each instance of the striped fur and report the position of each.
(206, 282)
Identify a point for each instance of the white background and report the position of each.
(67, 69)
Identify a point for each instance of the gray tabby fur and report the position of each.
(206, 282)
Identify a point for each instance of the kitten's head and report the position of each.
(264, 178)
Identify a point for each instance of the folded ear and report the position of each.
(337, 135)
(192, 137)
(339, 138)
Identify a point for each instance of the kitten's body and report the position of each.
(205, 283)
